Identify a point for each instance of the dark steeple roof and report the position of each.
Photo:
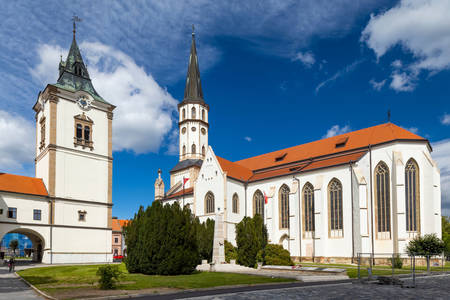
(73, 74)
(193, 89)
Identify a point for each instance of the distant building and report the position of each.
(24, 244)
(118, 240)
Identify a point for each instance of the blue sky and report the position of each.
(275, 74)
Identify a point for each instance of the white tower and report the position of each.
(74, 158)
(193, 112)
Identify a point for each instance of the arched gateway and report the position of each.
(37, 236)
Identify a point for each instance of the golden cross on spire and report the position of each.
(75, 19)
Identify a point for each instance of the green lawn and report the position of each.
(54, 280)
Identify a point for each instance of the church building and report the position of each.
(66, 208)
(366, 191)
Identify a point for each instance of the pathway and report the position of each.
(12, 287)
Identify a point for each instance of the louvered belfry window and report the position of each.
(412, 196)
(283, 200)
(335, 208)
(382, 196)
(308, 209)
(258, 203)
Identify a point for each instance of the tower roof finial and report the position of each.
(75, 19)
(193, 89)
(193, 29)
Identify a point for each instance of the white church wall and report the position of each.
(211, 178)
(66, 213)
(232, 218)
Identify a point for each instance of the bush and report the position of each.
(230, 251)
(109, 275)
(162, 240)
(205, 238)
(277, 255)
(251, 237)
(398, 262)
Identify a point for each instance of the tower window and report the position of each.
(81, 215)
(83, 131)
(87, 133)
(203, 115)
(193, 113)
(194, 150)
(79, 132)
(203, 150)
(42, 143)
(183, 114)
(184, 150)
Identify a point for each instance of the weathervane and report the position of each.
(75, 19)
(193, 29)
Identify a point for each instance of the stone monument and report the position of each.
(219, 243)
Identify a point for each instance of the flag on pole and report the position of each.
(185, 180)
(265, 198)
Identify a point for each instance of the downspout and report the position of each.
(245, 197)
(371, 203)
(353, 225)
(300, 221)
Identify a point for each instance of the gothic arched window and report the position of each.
(258, 203)
(203, 115)
(235, 203)
(183, 114)
(193, 113)
(184, 150)
(209, 203)
(308, 209)
(412, 198)
(283, 205)
(203, 151)
(79, 132)
(193, 149)
(382, 200)
(335, 208)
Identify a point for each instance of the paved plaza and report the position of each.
(431, 287)
(12, 287)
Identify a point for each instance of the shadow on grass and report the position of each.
(34, 280)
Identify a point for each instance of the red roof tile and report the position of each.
(117, 225)
(357, 139)
(22, 184)
(234, 170)
(188, 191)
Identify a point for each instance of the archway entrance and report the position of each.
(36, 239)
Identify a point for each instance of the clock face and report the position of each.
(84, 102)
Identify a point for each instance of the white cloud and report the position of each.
(445, 120)
(144, 112)
(420, 27)
(402, 82)
(414, 130)
(441, 153)
(336, 130)
(377, 85)
(307, 58)
(348, 69)
(17, 142)
(46, 71)
(248, 139)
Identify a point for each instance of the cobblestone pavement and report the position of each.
(11, 287)
(432, 287)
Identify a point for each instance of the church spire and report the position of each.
(193, 89)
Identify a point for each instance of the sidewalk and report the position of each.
(12, 287)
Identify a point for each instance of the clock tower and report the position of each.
(74, 159)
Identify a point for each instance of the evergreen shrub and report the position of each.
(251, 237)
(162, 240)
(205, 238)
(230, 252)
(276, 255)
(109, 275)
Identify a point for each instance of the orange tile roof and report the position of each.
(22, 184)
(234, 170)
(357, 139)
(117, 225)
(187, 191)
(323, 153)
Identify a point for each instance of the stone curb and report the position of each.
(35, 288)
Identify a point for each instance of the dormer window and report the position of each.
(83, 131)
(78, 70)
(281, 157)
(341, 142)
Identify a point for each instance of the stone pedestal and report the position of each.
(219, 243)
